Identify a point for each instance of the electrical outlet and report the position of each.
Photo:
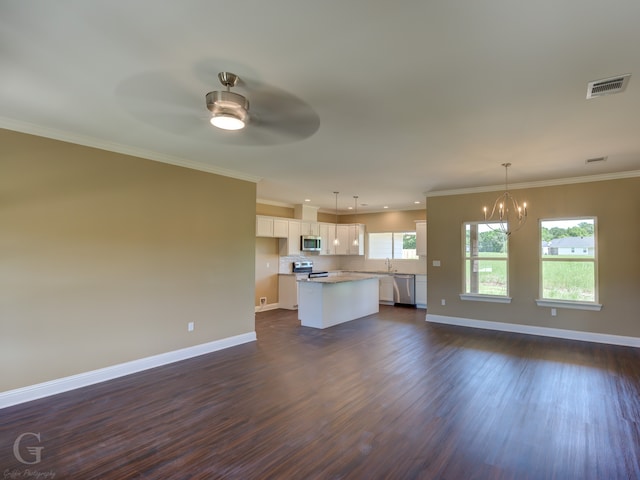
(553, 312)
(190, 326)
(263, 301)
(443, 302)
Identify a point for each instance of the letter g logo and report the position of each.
(35, 451)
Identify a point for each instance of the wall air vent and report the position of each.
(607, 86)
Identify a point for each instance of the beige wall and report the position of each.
(616, 204)
(267, 262)
(273, 211)
(106, 257)
(401, 221)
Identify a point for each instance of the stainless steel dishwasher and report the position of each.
(404, 289)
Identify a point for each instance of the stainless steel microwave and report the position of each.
(310, 243)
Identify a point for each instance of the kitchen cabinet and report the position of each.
(421, 239)
(386, 289)
(271, 227)
(421, 291)
(309, 228)
(288, 292)
(342, 248)
(264, 227)
(280, 228)
(327, 235)
(356, 231)
(290, 246)
(346, 233)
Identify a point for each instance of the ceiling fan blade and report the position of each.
(275, 116)
(157, 99)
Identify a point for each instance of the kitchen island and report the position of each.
(327, 301)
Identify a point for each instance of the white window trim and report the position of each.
(478, 297)
(392, 258)
(568, 304)
(554, 303)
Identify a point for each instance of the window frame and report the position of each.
(393, 243)
(482, 297)
(541, 301)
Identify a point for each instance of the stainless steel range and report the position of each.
(306, 267)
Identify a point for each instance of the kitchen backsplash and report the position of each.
(353, 263)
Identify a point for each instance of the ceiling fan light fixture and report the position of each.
(227, 122)
(229, 111)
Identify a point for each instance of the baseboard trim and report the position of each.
(533, 330)
(60, 385)
(271, 306)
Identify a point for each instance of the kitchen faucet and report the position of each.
(389, 265)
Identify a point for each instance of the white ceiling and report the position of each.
(411, 96)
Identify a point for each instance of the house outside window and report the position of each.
(486, 262)
(569, 263)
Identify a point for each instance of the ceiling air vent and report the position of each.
(595, 160)
(607, 86)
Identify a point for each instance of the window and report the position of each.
(568, 262)
(486, 261)
(393, 245)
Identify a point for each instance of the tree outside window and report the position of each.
(393, 245)
(486, 259)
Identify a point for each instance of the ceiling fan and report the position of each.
(170, 101)
(229, 111)
(275, 116)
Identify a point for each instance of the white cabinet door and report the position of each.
(421, 239)
(288, 292)
(386, 289)
(264, 227)
(291, 245)
(356, 232)
(280, 228)
(343, 240)
(421, 291)
(309, 228)
(327, 235)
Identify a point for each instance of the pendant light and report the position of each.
(355, 221)
(336, 242)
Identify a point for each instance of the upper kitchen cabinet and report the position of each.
(356, 239)
(342, 246)
(421, 238)
(280, 228)
(327, 237)
(309, 228)
(271, 227)
(291, 245)
(345, 235)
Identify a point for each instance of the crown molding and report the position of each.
(542, 183)
(87, 141)
(274, 203)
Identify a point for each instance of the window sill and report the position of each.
(569, 304)
(473, 297)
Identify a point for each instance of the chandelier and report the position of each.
(506, 211)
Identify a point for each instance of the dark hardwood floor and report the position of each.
(384, 397)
